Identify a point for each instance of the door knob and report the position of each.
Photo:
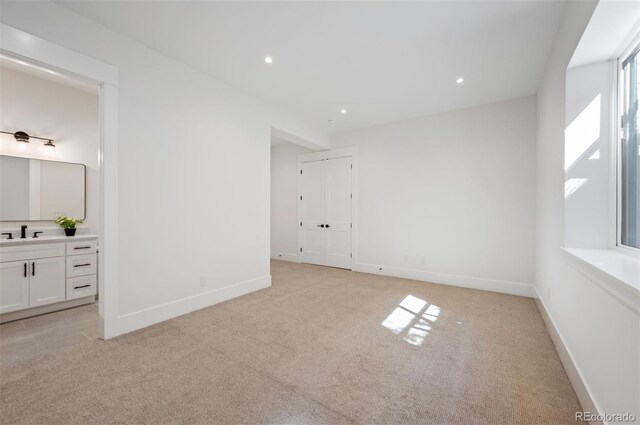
(320, 225)
(327, 226)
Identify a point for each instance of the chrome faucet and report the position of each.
(23, 231)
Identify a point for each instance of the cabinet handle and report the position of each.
(33, 268)
(81, 247)
(82, 265)
(82, 286)
(25, 269)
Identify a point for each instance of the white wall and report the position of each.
(450, 197)
(588, 156)
(600, 333)
(67, 114)
(284, 201)
(193, 172)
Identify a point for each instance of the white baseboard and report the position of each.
(503, 286)
(585, 397)
(285, 257)
(150, 316)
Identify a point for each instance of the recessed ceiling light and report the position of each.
(268, 60)
(460, 80)
(343, 111)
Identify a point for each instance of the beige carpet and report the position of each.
(321, 346)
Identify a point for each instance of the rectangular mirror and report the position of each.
(39, 190)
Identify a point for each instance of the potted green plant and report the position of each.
(68, 224)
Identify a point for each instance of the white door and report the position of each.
(313, 209)
(326, 212)
(46, 281)
(14, 286)
(338, 213)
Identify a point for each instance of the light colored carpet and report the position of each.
(321, 346)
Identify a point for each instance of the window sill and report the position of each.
(615, 272)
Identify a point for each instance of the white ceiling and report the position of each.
(382, 61)
(276, 141)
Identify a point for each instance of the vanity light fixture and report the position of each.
(50, 148)
(23, 137)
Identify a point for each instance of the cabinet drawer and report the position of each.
(83, 286)
(82, 247)
(81, 265)
(30, 252)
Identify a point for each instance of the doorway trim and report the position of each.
(351, 151)
(21, 45)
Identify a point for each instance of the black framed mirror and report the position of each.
(40, 190)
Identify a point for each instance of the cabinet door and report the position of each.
(46, 281)
(14, 286)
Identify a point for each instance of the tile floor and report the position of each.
(27, 338)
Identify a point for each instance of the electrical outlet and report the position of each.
(203, 281)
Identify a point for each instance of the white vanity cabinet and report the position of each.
(55, 272)
(82, 266)
(32, 275)
(31, 282)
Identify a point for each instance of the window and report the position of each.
(629, 152)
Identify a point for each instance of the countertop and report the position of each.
(45, 239)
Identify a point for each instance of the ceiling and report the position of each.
(276, 141)
(381, 61)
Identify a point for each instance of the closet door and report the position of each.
(326, 213)
(338, 212)
(313, 181)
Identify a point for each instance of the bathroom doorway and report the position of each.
(49, 168)
(98, 232)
